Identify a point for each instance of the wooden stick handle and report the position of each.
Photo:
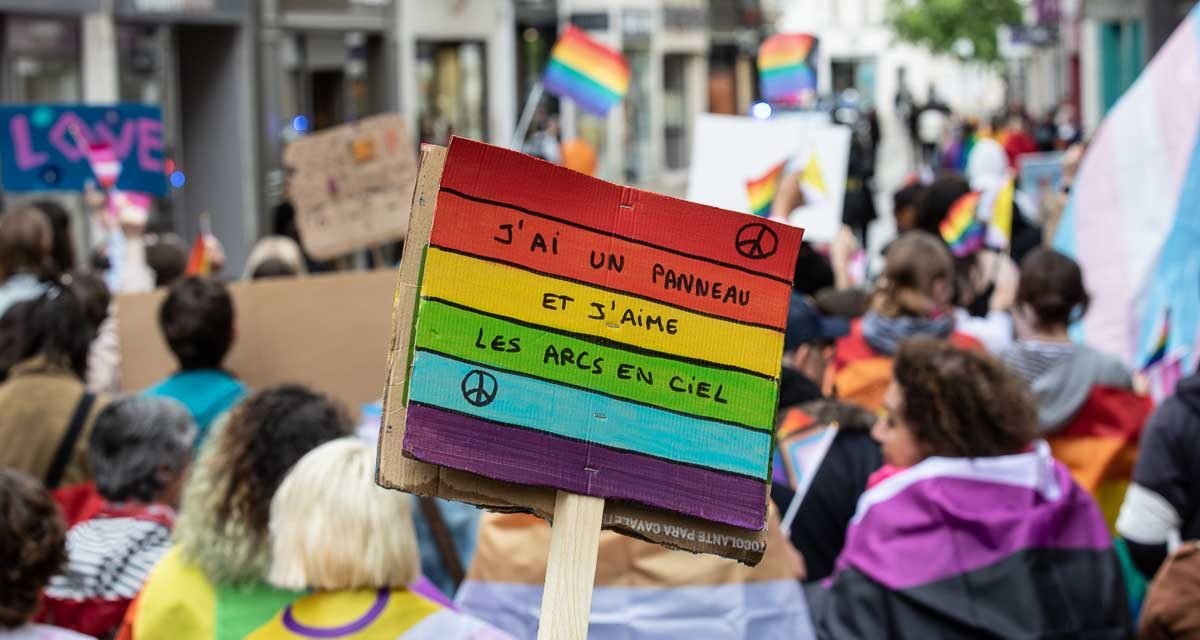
(571, 568)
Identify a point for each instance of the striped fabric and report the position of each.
(642, 591)
(1133, 219)
(1001, 547)
(1030, 359)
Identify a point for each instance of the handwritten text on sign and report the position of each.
(597, 339)
(46, 147)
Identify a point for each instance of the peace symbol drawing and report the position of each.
(756, 241)
(478, 388)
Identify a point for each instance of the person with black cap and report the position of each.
(808, 343)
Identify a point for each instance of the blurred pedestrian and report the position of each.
(912, 298)
(808, 349)
(211, 584)
(46, 414)
(25, 242)
(964, 503)
(62, 243)
(139, 451)
(1017, 139)
(904, 205)
(197, 321)
(352, 543)
(275, 256)
(817, 526)
(1163, 503)
(167, 257)
(32, 548)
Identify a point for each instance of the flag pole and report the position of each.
(535, 96)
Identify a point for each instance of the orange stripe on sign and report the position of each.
(551, 247)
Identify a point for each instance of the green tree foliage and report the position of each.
(939, 24)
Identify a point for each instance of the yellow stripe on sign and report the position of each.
(528, 297)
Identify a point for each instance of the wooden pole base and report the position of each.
(571, 567)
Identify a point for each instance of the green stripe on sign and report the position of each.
(656, 381)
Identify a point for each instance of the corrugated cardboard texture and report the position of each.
(399, 472)
(325, 331)
(352, 185)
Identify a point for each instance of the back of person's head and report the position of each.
(917, 278)
(936, 200)
(93, 296)
(1051, 289)
(54, 326)
(197, 321)
(32, 545)
(12, 335)
(904, 205)
(962, 403)
(267, 434)
(275, 256)
(62, 245)
(139, 448)
(25, 242)
(167, 258)
(333, 528)
(813, 271)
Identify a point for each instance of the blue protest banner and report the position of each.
(55, 147)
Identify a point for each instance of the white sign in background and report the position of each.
(728, 151)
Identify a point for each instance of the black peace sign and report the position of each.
(756, 241)
(479, 388)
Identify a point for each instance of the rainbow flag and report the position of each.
(1158, 350)
(961, 228)
(762, 190)
(785, 67)
(584, 70)
(199, 263)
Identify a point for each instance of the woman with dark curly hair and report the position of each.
(968, 531)
(211, 584)
(32, 549)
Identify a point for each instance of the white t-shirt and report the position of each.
(41, 632)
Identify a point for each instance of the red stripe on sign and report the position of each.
(555, 248)
(505, 177)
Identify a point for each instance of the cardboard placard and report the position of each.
(733, 158)
(324, 331)
(58, 147)
(352, 185)
(577, 335)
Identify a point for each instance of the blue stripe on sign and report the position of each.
(544, 406)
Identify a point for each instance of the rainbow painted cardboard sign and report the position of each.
(576, 334)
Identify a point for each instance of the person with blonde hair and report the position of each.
(352, 543)
(274, 256)
(914, 297)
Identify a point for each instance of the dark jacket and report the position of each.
(1165, 493)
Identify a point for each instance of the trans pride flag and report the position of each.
(1133, 220)
(786, 68)
(584, 70)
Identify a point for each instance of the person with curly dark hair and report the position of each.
(197, 322)
(968, 531)
(33, 548)
(222, 552)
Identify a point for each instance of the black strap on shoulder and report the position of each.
(443, 539)
(66, 447)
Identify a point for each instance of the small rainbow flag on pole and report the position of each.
(584, 70)
(762, 190)
(961, 229)
(785, 67)
(1159, 348)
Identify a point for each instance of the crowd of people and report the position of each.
(989, 476)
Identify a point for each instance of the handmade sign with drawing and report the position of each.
(61, 147)
(352, 185)
(592, 338)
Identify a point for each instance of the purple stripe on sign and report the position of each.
(974, 524)
(295, 626)
(529, 457)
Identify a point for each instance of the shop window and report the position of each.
(451, 86)
(40, 60)
(637, 116)
(676, 114)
